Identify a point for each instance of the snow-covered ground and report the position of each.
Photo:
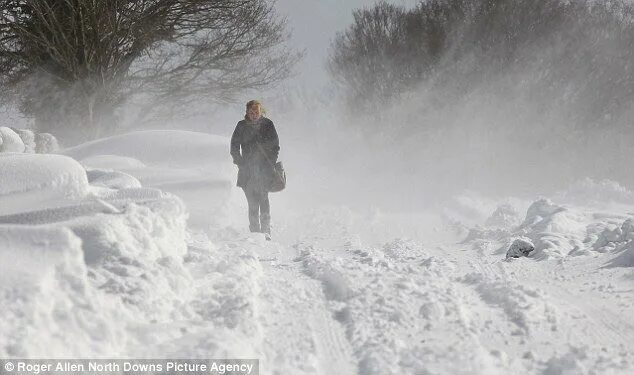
(136, 246)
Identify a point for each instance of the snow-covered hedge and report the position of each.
(24, 140)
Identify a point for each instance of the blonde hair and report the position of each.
(253, 103)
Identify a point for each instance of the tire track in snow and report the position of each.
(301, 335)
(335, 350)
(402, 313)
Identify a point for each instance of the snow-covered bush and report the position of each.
(45, 143)
(11, 141)
(27, 141)
(28, 138)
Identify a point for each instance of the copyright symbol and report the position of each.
(9, 366)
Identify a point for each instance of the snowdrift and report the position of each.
(97, 259)
(590, 218)
(49, 305)
(31, 181)
(177, 148)
(79, 263)
(195, 166)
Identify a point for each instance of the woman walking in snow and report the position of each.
(255, 148)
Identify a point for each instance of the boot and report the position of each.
(254, 221)
(254, 228)
(265, 220)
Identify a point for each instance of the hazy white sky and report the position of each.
(314, 24)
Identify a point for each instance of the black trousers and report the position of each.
(259, 210)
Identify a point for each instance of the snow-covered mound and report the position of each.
(24, 140)
(112, 179)
(113, 162)
(504, 216)
(195, 166)
(28, 138)
(572, 223)
(10, 141)
(82, 263)
(63, 272)
(49, 305)
(45, 143)
(175, 148)
(31, 181)
(618, 239)
(561, 231)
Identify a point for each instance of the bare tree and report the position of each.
(363, 58)
(71, 63)
(561, 54)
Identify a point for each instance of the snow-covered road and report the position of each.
(97, 261)
(328, 303)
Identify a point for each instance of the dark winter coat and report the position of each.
(255, 148)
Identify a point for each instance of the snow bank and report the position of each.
(223, 307)
(580, 226)
(57, 277)
(554, 230)
(112, 179)
(136, 254)
(49, 305)
(559, 231)
(82, 263)
(30, 181)
(595, 193)
(619, 240)
(113, 162)
(175, 148)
